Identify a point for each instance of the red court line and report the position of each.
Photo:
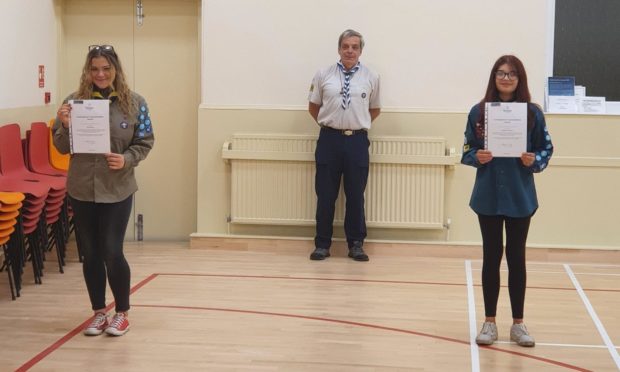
(77, 330)
(366, 325)
(365, 281)
(308, 278)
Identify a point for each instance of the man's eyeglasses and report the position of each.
(512, 75)
(102, 48)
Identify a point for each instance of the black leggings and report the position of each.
(493, 248)
(100, 231)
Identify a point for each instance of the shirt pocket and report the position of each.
(361, 93)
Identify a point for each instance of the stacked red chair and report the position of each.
(28, 234)
(40, 204)
(58, 225)
(10, 204)
(39, 151)
(60, 162)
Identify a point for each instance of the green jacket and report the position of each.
(89, 178)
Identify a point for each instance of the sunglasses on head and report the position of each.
(102, 48)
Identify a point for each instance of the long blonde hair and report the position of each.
(85, 90)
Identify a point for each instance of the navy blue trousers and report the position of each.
(340, 157)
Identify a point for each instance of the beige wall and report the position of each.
(26, 115)
(579, 206)
(185, 184)
(161, 60)
(433, 59)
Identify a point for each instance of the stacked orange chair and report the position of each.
(57, 160)
(10, 204)
(46, 195)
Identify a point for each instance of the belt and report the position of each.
(345, 132)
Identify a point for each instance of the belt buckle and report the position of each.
(347, 132)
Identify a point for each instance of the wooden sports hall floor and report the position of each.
(262, 305)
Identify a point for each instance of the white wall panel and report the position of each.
(28, 39)
(431, 55)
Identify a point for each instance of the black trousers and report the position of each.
(492, 228)
(100, 231)
(339, 156)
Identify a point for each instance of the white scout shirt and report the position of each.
(326, 91)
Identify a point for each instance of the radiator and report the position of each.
(272, 181)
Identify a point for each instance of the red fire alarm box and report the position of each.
(41, 76)
(48, 97)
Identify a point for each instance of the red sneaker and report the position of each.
(99, 323)
(119, 325)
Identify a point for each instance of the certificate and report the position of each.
(562, 104)
(506, 129)
(89, 131)
(592, 105)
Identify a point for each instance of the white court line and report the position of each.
(561, 263)
(585, 264)
(557, 272)
(562, 345)
(473, 347)
(597, 274)
(595, 319)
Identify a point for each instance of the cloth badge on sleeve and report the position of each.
(144, 124)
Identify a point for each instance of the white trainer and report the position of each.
(520, 335)
(488, 334)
